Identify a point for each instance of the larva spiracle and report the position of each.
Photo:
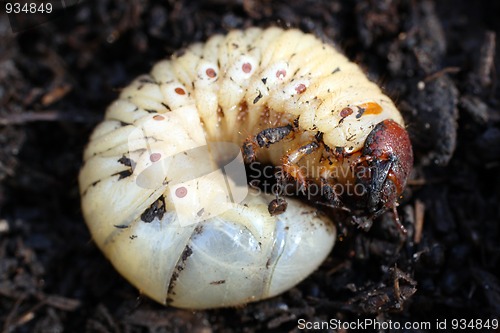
(162, 188)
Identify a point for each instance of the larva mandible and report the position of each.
(174, 226)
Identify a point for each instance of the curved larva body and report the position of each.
(229, 250)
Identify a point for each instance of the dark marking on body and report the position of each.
(145, 80)
(215, 283)
(186, 254)
(126, 161)
(256, 99)
(360, 112)
(157, 209)
(166, 106)
(179, 268)
(198, 230)
(123, 174)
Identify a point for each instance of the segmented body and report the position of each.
(236, 88)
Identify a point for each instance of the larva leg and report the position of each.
(290, 166)
(290, 161)
(264, 139)
(331, 196)
(397, 221)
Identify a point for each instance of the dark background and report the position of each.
(438, 60)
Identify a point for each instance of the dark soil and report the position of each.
(439, 61)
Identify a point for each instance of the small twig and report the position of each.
(486, 66)
(419, 221)
(442, 72)
(49, 115)
(425, 181)
(7, 324)
(28, 315)
(60, 302)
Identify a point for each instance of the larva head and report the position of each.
(384, 166)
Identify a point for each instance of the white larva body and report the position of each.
(225, 90)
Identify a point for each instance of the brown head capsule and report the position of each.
(383, 169)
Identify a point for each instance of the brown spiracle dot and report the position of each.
(247, 68)
(180, 91)
(300, 88)
(158, 117)
(181, 192)
(211, 73)
(154, 157)
(345, 112)
(281, 74)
